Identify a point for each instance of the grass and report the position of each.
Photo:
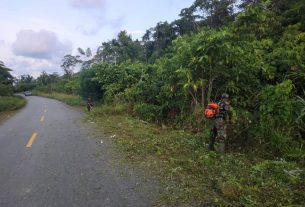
(9, 104)
(72, 100)
(192, 176)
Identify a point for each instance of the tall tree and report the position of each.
(5, 76)
(87, 61)
(121, 49)
(187, 23)
(214, 13)
(244, 3)
(157, 39)
(69, 63)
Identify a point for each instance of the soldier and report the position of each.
(89, 104)
(222, 118)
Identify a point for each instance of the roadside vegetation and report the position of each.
(11, 103)
(190, 175)
(8, 102)
(72, 100)
(8, 106)
(151, 95)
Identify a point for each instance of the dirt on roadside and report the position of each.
(6, 115)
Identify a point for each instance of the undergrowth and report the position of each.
(11, 103)
(190, 175)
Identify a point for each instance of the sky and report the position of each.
(36, 34)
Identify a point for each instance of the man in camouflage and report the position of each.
(89, 104)
(219, 130)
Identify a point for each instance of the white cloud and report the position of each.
(4, 51)
(97, 12)
(34, 52)
(34, 67)
(41, 45)
(24, 65)
(136, 31)
(100, 24)
(136, 34)
(88, 4)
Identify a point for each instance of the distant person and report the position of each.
(220, 121)
(89, 104)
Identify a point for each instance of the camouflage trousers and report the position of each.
(218, 133)
(221, 127)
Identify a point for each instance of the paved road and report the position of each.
(49, 157)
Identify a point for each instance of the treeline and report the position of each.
(8, 102)
(6, 80)
(255, 51)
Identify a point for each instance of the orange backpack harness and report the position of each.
(211, 110)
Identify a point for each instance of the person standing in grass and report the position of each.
(89, 104)
(222, 118)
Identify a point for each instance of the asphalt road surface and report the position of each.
(50, 157)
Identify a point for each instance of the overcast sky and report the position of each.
(36, 34)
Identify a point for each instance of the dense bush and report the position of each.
(88, 86)
(148, 112)
(5, 90)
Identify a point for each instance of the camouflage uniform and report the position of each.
(89, 104)
(219, 130)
